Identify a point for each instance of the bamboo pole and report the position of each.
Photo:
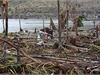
(59, 24)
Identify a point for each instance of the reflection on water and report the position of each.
(31, 24)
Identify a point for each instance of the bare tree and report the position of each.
(6, 29)
(67, 14)
(2, 6)
(19, 18)
(59, 24)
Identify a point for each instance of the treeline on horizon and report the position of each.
(35, 8)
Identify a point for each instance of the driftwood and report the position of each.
(27, 56)
(55, 59)
(22, 52)
(70, 63)
(76, 48)
(97, 42)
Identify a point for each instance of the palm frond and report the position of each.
(52, 26)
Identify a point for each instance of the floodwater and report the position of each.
(31, 24)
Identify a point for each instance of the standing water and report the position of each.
(31, 24)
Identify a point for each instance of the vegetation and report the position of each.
(78, 22)
(34, 8)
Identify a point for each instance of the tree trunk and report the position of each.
(6, 10)
(97, 29)
(67, 13)
(76, 26)
(59, 23)
(43, 18)
(19, 18)
(3, 17)
(6, 31)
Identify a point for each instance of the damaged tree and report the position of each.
(19, 19)
(6, 31)
(59, 24)
(67, 13)
(78, 23)
(2, 5)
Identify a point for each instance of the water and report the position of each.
(31, 24)
(27, 24)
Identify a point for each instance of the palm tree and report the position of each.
(78, 23)
(52, 26)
